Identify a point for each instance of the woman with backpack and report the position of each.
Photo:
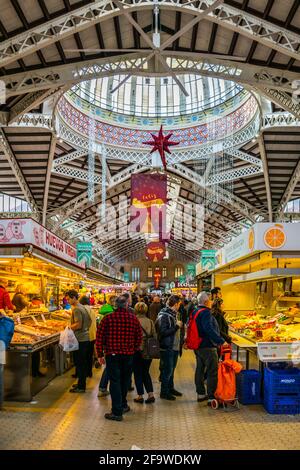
(141, 363)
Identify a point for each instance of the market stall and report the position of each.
(259, 274)
(43, 267)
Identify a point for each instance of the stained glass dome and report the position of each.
(155, 96)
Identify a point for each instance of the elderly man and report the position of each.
(206, 355)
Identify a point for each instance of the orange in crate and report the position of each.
(275, 237)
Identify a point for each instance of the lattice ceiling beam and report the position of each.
(179, 62)
(30, 101)
(288, 193)
(264, 159)
(48, 177)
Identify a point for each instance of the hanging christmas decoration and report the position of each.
(161, 143)
(148, 204)
(157, 277)
(155, 251)
(103, 189)
(91, 161)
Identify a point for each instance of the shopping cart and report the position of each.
(225, 395)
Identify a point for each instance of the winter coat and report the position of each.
(166, 328)
(208, 329)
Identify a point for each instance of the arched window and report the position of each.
(178, 271)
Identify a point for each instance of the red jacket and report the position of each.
(5, 301)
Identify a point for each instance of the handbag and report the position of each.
(151, 348)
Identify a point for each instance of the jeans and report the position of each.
(90, 358)
(81, 360)
(207, 361)
(119, 370)
(168, 362)
(104, 380)
(1, 384)
(142, 376)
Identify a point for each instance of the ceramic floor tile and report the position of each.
(63, 421)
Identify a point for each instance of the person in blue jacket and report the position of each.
(206, 355)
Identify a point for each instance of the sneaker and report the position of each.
(202, 398)
(103, 393)
(126, 409)
(167, 397)
(113, 417)
(209, 401)
(76, 390)
(176, 393)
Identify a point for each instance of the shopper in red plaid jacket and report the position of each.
(119, 336)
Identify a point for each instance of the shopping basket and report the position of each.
(225, 395)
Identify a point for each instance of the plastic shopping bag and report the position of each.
(68, 340)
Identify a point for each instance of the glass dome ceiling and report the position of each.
(156, 96)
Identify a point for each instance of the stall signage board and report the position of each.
(208, 259)
(276, 352)
(261, 237)
(84, 253)
(28, 231)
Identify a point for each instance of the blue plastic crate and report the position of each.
(282, 381)
(285, 405)
(248, 385)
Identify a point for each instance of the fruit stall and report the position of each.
(259, 274)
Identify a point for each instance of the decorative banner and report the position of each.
(84, 253)
(191, 271)
(148, 204)
(157, 277)
(182, 279)
(126, 276)
(155, 251)
(208, 259)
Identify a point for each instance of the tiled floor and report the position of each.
(60, 420)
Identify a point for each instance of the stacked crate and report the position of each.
(282, 391)
(248, 385)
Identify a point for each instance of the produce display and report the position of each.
(22, 338)
(277, 328)
(63, 314)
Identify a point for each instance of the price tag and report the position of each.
(34, 319)
(18, 319)
(43, 318)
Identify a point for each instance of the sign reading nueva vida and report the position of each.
(84, 253)
(28, 231)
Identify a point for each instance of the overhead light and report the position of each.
(253, 140)
(4, 261)
(61, 141)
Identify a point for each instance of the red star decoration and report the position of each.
(161, 143)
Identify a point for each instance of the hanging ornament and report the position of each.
(91, 161)
(155, 251)
(103, 192)
(161, 143)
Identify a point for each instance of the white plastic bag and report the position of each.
(68, 340)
